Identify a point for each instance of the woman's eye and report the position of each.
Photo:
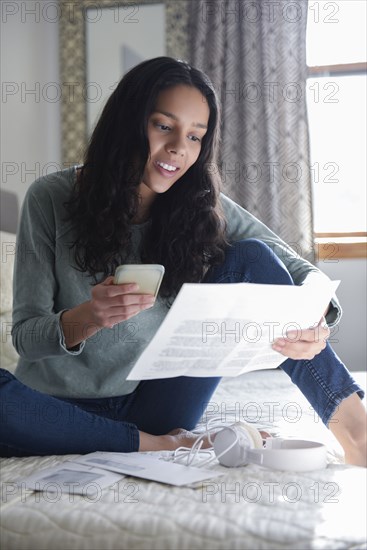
(164, 128)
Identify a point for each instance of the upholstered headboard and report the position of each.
(9, 212)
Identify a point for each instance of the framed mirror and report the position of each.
(99, 42)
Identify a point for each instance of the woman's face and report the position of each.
(175, 132)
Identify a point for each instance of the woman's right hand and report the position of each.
(110, 304)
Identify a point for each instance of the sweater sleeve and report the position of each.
(37, 331)
(243, 225)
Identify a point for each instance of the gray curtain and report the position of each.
(255, 55)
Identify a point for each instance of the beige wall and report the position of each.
(30, 109)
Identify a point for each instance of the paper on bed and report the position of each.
(91, 473)
(227, 329)
(148, 467)
(71, 478)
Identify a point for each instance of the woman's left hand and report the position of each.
(303, 344)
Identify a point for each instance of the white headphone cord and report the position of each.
(192, 453)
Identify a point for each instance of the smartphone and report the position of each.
(147, 276)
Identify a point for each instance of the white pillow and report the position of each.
(7, 241)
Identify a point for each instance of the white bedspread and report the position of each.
(250, 508)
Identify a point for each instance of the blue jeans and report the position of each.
(34, 423)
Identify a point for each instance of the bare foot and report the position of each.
(349, 425)
(356, 456)
(176, 438)
(187, 439)
(171, 441)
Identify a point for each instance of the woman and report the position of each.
(145, 194)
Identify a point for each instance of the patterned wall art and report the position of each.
(74, 16)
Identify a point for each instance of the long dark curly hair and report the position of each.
(187, 233)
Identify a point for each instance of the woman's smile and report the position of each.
(167, 170)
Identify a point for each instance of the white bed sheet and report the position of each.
(250, 508)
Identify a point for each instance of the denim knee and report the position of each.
(250, 261)
(5, 377)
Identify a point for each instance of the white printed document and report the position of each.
(89, 474)
(228, 329)
(71, 478)
(149, 467)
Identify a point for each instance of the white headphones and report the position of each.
(241, 444)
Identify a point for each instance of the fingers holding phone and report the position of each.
(132, 290)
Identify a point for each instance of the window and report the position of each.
(336, 103)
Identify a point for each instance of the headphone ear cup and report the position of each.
(247, 437)
(254, 434)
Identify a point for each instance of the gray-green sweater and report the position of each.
(46, 283)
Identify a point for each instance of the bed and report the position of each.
(247, 508)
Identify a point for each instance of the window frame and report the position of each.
(336, 246)
(329, 246)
